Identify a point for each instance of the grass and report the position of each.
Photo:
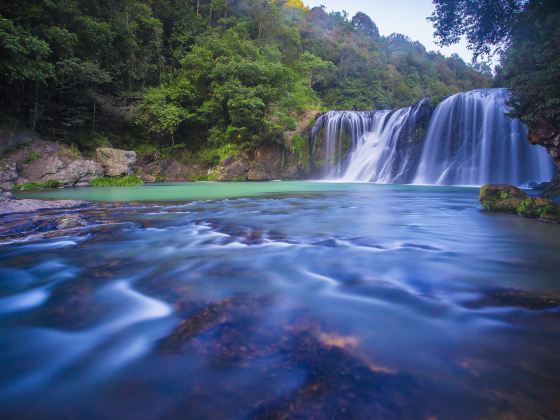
(117, 181)
(53, 183)
(32, 157)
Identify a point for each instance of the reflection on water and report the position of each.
(345, 302)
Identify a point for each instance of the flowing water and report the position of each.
(287, 299)
(469, 141)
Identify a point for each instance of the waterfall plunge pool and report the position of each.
(294, 299)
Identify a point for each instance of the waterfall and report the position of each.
(466, 140)
(337, 123)
(471, 141)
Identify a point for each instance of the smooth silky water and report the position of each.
(282, 299)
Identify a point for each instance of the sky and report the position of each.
(407, 17)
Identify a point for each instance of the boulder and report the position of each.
(61, 168)
(235, 170)
(70, 221)
(501, 198)
(116, 162)
(27, 205)
(148, 178)
(510, 199)
(8, 175)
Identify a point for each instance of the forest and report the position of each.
(203, 79)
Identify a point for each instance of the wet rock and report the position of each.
(264, 163)
(545, 135)
(10, 205)
(538, 186)
(515, 298)
(232, 170)
(151, 168)
(510, 199)
(501, 198)
(70, 222)
(6, 195)
(116, 162)
(8, 175)
(148, 178)
(68, 172)
(43, 161)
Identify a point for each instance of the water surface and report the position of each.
(282, 300)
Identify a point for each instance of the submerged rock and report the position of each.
(70, 221)
(116, 162)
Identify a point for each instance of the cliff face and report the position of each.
(546, 136)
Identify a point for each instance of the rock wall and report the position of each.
(265, 163)
(546, 136)
(42, 161)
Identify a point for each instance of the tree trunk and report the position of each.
(93, 120)
(36, 105)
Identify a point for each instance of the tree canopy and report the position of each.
(527, 35)
(203, 74)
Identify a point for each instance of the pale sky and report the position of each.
(407, 17)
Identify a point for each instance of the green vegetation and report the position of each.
(117, 181)
(510, 199)
(32, 157)
(38, 185)
(195, 78)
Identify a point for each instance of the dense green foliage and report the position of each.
(205, 75)
(527, 34)
(117, 181)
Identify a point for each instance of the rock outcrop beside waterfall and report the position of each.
(544, 135)
(263, 164)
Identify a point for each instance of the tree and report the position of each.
(316, 70)
(528, 34)
(363, 23)
(486, 24)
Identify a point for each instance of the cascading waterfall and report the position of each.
(468, 140)
(471, 141)
(336, 123)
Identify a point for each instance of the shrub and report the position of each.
(53, 183)
(32, 156)
(117, 181)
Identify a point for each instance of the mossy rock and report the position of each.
(501, 198)
(538, 207)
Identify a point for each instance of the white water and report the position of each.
(469, 141)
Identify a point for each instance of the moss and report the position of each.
(117, 181)
(160, 178)
(508, 205)
(32, 157)
(537, 207)
(53, 183)
(200, 178)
